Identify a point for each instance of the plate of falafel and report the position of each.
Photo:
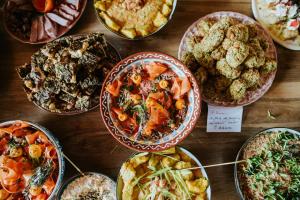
(232, 57)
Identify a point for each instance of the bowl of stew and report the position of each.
(150, 101)
(31, 161)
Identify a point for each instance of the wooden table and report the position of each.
(87, 142)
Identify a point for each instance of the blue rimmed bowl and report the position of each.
(55, 142)
(170, 140)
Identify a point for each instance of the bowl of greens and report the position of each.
(272, 166)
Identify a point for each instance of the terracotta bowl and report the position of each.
(194, 107)
(55, 142)
(237, 175)
(188, 153)
(253, 95)
(140, 37)
(61, 30)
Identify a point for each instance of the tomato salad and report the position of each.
(28, 163)
(149, 101)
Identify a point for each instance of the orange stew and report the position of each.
(150, 100)
(28, 163)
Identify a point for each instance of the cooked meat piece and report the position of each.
(76, 3)
(64, 14)
(58, 19)
(41, 29)
(69, 10)
(50, 27)
(34, 31)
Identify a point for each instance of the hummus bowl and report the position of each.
(134, 20)
(153, 121)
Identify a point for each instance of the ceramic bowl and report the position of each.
(55, 142)
(251, 95)
(61, 30)
(194, 107)
(70, 180)
(140, 37)
(208, 190)
(239, 155)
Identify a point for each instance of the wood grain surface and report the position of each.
(87, 142)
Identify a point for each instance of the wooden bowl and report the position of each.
(251, 96)
(171, 139)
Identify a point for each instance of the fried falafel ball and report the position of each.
(238, 32)
(223, 24)
(203, 58)
(269, 66)
(253, 30)
(222, 83)
(256, 56)
(218, 53)
(201, 75)
(237, 54)
(212, 40)
(251, 77)
(203, 27)
(226, 70)
(190, 61)
(237, 89)
(227, 43)
(192, 41)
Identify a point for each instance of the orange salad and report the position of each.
(28, 163)
(150, 100)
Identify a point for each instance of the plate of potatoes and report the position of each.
(232, 57)
(134, 19)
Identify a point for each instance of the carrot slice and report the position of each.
(32, 137)
(185, 86)
(14, 127)
(175, 89)
(155, 69)
(48, 186)
(114, 88)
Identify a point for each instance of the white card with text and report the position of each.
(224, 119)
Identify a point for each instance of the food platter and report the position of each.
(255, 144)
(149, 102)
(290, 44)
(120, 183)
(102, 20)
(253, 95)
(170, 140)
(54, 142)
(59, 29)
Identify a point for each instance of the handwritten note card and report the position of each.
(224, 119)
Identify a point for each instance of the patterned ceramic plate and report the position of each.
(253, 95)
(58, 148)
(258, 14)
(193, 110)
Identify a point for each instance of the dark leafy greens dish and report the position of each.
(28, 163)
(272, 170)
(163, 175)
(66, 75)
(149, 100)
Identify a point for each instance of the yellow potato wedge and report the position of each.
(100, 5)
(166, 10)
(160, 20)
(169, 2)
(109, 21)
(144, 30)
(130, 33)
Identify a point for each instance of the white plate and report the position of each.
(289, 44)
